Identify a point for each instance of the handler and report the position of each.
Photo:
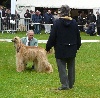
(65, 37)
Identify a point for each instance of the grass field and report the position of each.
(29, 84)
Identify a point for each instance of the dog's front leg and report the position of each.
(20, 66)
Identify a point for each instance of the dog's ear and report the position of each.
(17, 43)
(18, 46)
(13, 40)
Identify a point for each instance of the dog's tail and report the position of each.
(48, 67)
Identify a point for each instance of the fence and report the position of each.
(22, 24)
(11, 26)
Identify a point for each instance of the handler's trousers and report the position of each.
(66, 69)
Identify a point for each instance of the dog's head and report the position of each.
(17, 43)
(16, 40)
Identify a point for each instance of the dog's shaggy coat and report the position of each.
(30, 53)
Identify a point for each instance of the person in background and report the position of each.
(31, 27)
(80, 22)
(30, 40)
(98, 24)
(17, 17)
(91, 29)
(47, 20)
(27, 17)
(55, 16)
(37, 19)
(66, 40)
(91, 21)
(1, 24)
(31, 12)
(91, 17)
(1, 11)
(8, 15)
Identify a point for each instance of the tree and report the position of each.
(5, 3)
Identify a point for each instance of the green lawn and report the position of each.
(44, 36)
(22, 34)
(29, 84)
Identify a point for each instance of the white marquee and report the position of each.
(79, 4)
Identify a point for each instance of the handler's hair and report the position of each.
(29, 32)
(64, 10)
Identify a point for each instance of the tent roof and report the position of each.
(79, 4)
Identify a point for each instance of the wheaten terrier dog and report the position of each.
(29, 53)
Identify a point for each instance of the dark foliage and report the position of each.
(5, 3)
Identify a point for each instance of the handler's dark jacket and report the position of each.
(65, 37)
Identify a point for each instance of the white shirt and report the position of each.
(27, 41)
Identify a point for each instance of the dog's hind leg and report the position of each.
(37, 66)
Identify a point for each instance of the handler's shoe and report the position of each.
(63, 88)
